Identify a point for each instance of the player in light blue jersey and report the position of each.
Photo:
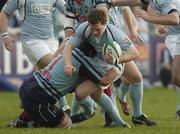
(134, 77)
(167, 13)
(93, 33)
(37, 28)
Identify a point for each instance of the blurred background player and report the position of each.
(37, 34)
(167, 13)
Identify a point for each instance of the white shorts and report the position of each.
(173, 44)
(35, 49)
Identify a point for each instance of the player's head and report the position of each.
(97, 19)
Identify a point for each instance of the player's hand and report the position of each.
(69, 69)
(8, 43)
(135, 38)
(109, 58)
(161, 29)
(142, 14)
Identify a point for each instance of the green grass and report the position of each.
(159, 104)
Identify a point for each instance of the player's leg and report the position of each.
(88, 110)
(104, 101)
(176, 77)
(41, 107)
(133, 75)
(75, 107)
(173, 47)
(123, 89)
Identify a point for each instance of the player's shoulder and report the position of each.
(83, 26)
(113, 29)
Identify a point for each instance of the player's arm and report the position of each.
(172, 18)
(4, 22)
(73, 42)
(110, 3)
(130, 55)
(67, 54)
(130, 52)
(7, 10)
(160, 29)
(132, 25)
(127, 2)
(68, 29)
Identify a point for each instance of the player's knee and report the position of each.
(136, 78)
(105, 81)
(65, 122)
(79, 95)
(176, 79)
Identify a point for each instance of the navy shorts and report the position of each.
(39, 104)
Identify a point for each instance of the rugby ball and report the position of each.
(112, 48)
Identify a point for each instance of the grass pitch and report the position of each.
(159, 104)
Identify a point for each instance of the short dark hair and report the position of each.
(97, 15)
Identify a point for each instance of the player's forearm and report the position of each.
(59, 50)
(67, 54)
(129, 56)
(130, 20)
(170, 19)
(126, 3)
(3, 22)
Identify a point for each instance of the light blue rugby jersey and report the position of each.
(53, 79)
(164, 7)
(111, 34)
(37, 16)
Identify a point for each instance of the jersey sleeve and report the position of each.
(166, 6)
(10, 6)
(78, 38)
(121, 38)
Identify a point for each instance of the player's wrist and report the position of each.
(5, 35)
(116, 61)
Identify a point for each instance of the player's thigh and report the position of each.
(36, 49)
(176, 65)
(44, 61)
(131, 73)
(85, 89)
(96, 95)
